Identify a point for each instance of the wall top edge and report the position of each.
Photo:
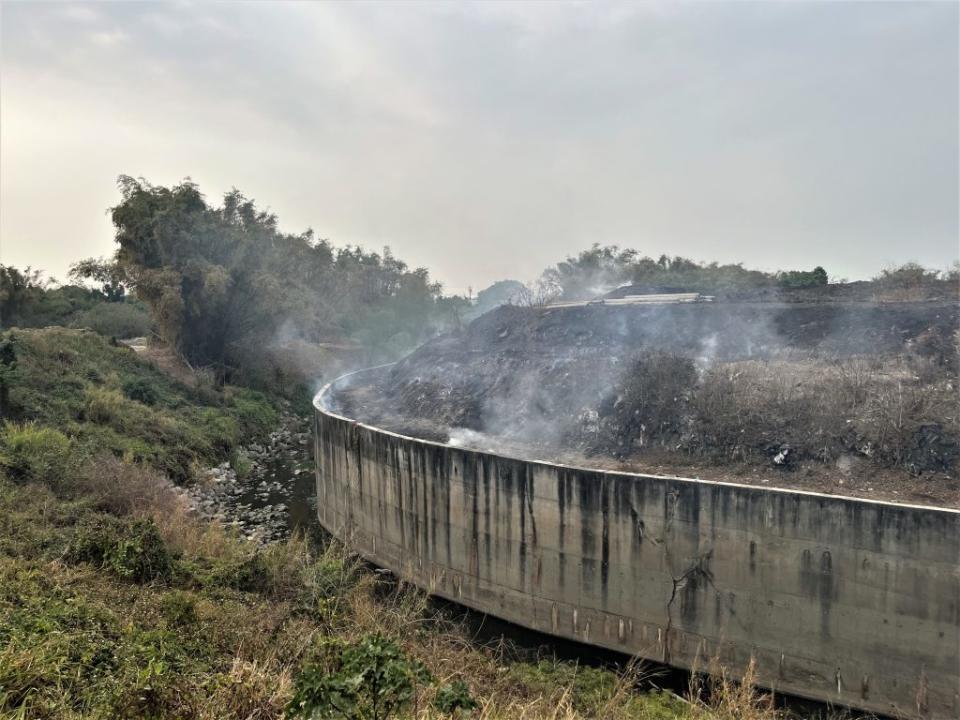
(320, 405)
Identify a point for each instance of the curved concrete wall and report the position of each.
(838, 599)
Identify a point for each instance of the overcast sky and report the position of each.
(488, 141)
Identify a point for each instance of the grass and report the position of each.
(107, 400)
(897, 412)
(115, 601)
(89, 627)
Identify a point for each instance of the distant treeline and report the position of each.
(27, 299)
(602, 268)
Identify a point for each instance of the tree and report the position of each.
(108, 273)
(803, 279)
(224, 285)
(8, 372)
(502, 292)
(592, 273)
(18, 289)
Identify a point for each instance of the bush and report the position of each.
(248, 574)
(93, 541)
(115, 319)
(103, 406)
(371, 679)
(454, 698)
(141, 390)
(35, 453)
(241, 463)
(254, 413)
(327, 583)
(124, 488)
(133, 551)
(141, 554)
(647, 406)
(179, 608)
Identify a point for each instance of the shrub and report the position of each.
(141, 554)
(248, 574)
(254, 413)
(454, 698)
(241, 463)
(179, 608)
(124, 488)
(93, 541)
(648, 405)
(326, 586)
(104, 406)
(372, 679)
(115, 319)
(141, 390)
(131, 550)
(248, 690)
(32, 452)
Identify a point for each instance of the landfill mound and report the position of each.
(851, 398)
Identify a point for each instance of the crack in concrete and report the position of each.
(697, 570)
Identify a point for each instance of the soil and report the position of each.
(527, 381)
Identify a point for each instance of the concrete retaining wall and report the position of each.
(837, 599)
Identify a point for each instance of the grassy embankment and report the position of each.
(116, 602)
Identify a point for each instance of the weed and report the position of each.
(372, 678)
(454, 699)
(131, 550)
(179, 608)
(31, 452)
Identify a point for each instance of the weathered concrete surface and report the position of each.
(839, 599)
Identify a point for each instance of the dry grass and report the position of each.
(235, 652)
(896, 411)
(309, 593)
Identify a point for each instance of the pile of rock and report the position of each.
(257, 504)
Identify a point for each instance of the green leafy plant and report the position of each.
(454, 699)
(372, 679)
(141, 390)
(132, 550)
(141, 555)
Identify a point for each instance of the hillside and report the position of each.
(117, 601)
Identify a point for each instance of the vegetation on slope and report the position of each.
(116, 602)
(27, 299)
(104, 399)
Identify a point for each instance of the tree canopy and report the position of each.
(602, 268)
(224, 282)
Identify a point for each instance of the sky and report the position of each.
(488, 141)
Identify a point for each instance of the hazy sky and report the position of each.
(488, 141)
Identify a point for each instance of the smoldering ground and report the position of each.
(775, 384)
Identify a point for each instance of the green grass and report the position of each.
(103, 398)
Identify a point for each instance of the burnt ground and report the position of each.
(746, 392)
